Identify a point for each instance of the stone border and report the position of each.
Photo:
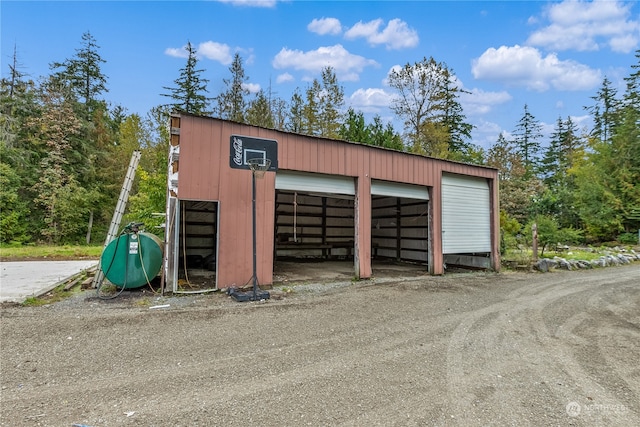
(608, 260)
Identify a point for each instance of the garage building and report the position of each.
(320, 199)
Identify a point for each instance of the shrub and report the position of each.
(629, 238)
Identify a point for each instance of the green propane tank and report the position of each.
(132, 259)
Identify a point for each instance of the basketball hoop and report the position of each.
(259, 166)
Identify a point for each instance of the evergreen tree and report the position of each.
(259, 112)
(550, 164)
(319, 112)
(20, 154)
(376, 133)
(558, 200)
(55, 128)
(13, 225)
(83, 73)
(632, 94)
(453, 119)
(232, 104)
(311, 110)
(527, 140)
(607, 175)
(596, 201)
(625, 143)
(354, 128)
(384, 136)
(518, 191)
(604, 111)
(189, 93)
(330, 103)
(17, 103)
(295, 117)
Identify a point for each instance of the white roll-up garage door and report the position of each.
(315, 183)
(398, 189)
(466, 215)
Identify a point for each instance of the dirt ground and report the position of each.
(403, 349)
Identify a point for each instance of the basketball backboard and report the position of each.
(244, 148)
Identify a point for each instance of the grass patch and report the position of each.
(142, 302)
(53, 296)
(65, 252)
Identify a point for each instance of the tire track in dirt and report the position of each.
(485, 350)
(455, 350)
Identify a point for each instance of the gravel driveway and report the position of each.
(561, 348)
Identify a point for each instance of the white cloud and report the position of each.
(396, 35)
(284, 77)
(370, 100)
(346, 65)
(251, 3)
(477, 101)
(525, 66)
(251, 87)
(587, 26)
(583, 123)
(176, 52)
(325, 26)
(215, 51)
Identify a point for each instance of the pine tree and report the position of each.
(550, 164)
(259, 112)
(354, 128)
(625, 143)
(56, 128)
(384, 136)
(604, 111)
(375, 133)
(311, 110)
(558, 200)
(17, 103)
(295, 117)
(232, 104)
(330, 103)
(517, 190)
(527, 140)
(83, 73)
(189, 93)
(453, 119)
(632, 93)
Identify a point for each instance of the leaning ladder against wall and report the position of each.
(119, 211)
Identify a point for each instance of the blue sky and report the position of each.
(551, 56)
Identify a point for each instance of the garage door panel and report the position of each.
(399, 189)
(466, 215)
(314, 183)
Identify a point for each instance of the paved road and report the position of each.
(21, 279)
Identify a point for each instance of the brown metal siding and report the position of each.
(205, 175)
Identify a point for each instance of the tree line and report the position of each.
(64, 150)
